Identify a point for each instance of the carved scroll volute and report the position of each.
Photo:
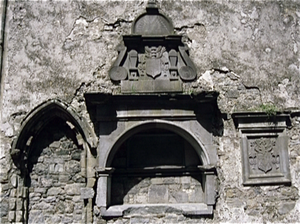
(186, 72)
(117, 72)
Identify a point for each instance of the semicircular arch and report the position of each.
(170, 126)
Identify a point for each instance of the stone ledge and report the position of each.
(151, 86)
(187, 209)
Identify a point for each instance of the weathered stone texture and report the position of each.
(49, 194)
(157, 190)
(248, 51)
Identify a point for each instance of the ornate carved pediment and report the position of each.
(152, 58)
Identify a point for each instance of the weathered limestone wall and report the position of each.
(157, 190)
(248, 51)
(55, 179)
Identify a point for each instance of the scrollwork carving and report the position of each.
(263, 154)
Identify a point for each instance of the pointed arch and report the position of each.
(31, 128)
(42, 114)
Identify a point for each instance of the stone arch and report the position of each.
(202, 175)
(39, 116)
(32, 128)
(159, 124)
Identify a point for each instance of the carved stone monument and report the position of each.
(264, 148)
(151, 144)
(152, 58)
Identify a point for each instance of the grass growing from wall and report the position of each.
(269, 109)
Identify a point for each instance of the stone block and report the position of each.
(19, 216)
(50, 199)
(19, 204)
(157, 180)
(63, 178)
(136, 220)
(175, 187)
(12, 203)
(185, 180)
(42, 206)
(87, 193)
(69, 207)
(5, 187)
(55, 145)
(72, 189)
(141, 199)
(158, 194)
(169, 180)
(286, 207)
(13, 193)
(55, 191)
(72, 167)
(51, 168)
(11, 216)
(55, 219)
(180, 197)
(40, 169)
(76, 156)
(40, 190)
(196, 196)
(145, 183)
(78, 178)
(186, 186)
(78, 209)
(4, 206)
(58, 168)
(14, 180)
(67, 219)
(151, 86)
(77, 218)
(76, 199)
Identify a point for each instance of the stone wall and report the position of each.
(248, 51)
(157, 190)
(55, 180)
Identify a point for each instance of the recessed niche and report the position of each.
(155, 167)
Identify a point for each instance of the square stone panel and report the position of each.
(265, 158)
(264, 147)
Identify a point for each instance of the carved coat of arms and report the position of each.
(154, 60)
(263, 154)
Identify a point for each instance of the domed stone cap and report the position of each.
(152, 23)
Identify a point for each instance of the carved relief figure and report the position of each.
(156, 58)
(263, 154)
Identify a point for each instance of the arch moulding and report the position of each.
(187, 134)
(120, 117)
(31, 127)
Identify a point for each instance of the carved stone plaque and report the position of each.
(264, 147)
(152, 59)
(263, 155)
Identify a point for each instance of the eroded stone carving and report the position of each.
(264, 148)
(152, 22)
(152, 59)
(263, 154)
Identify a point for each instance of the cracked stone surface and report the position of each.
(248, 51)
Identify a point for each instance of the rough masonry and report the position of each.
(104, 120)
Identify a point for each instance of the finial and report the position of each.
(152, 4)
